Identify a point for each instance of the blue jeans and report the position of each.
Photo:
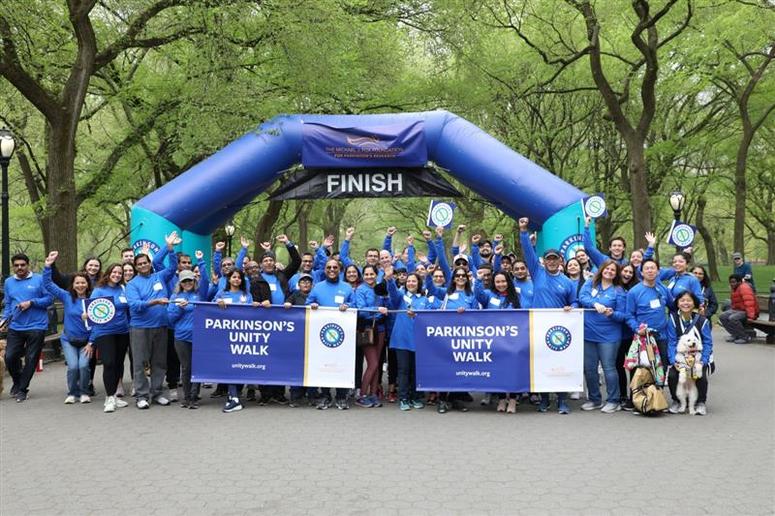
(605, 353)
(78, 372)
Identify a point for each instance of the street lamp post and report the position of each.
(677, 201)
(229, 229)
(7, 146)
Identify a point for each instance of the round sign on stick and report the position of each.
(441, 214)
(594, 206)
(683, 235)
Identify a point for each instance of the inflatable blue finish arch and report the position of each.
(210, 193)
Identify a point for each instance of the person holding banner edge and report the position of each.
(332, 292)
(180, 313)
(235, 294)
(75, 336)
(551, 289)
(402, 339)
(112, 338)
(502, 296)
(366, 300)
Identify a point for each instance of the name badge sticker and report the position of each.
(273, 287)
(655, 303)
(453, 296)
(227, 300)
(339, 299)
(157, 286)
(122, 299)
(494, 301)
(594, 292)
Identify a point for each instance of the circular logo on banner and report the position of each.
(153, 248)
(683, 235)
(441, 214)
(569, 246)
(558, 338)
(594, 206)
(100, 311)
(332, 335)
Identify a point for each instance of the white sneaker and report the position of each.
(143, 404)
(110, 404)
(69, 400)
(591, 405)
(161, 400)
(701, 410)
(486, 399)
(174, 394)
(575, 396)
(610, 408)
(121, 403)
(85, 398)
(675, 408)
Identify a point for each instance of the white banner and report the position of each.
(556, 351)
(329, 348)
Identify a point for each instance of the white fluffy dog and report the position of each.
(687, 361)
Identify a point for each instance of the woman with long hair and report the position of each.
(235, 293)
(75, 336)
(112, 339)
(367, 302)
(710, 303)
(602, 335)
(406, 299)
(502, 296)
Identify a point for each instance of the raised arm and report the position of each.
(293, 266)
(528, 251)
(411, 264)
(590, 247)
(48, 282)
(344, 248)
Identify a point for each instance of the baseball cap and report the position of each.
(736, 255)
(306, 277)
(186, 275)
(552, 252)
(460, 257)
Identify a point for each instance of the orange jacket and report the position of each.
(744, 299)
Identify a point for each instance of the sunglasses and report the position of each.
(332, 268)
(187, 281)
(460, 276)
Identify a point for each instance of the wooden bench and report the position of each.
(764, 325)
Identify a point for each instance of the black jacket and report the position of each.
(259, 287)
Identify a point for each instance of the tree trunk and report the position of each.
(304, 208)
(639, 193)
(61, 204)
(34, 192)
(266, 223)
(710, 247)
(741, 191)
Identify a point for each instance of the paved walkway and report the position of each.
(58, 459)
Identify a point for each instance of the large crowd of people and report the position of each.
(155, 297)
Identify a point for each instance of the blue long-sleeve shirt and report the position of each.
(31, 289)
(681, 283)
(74, 325)
(329, 293)
(239, 297)
(594, 253)
(489, 299)
(182, 318)
(683, 326)
(648, 305)
(144, 289)
(402, 336)
(549, 290)
(365, 298)
(599, 327)
(120, 322)
(525, 290)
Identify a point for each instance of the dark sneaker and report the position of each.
(14, 391)
(544, 405)
(404, 405)
(418, 404)
(459, 406)
(342, 404)
(323, 404)
(442, 407)
(232, 405)
(627, 405)
(21, 396)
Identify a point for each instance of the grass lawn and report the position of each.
(762, 276)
